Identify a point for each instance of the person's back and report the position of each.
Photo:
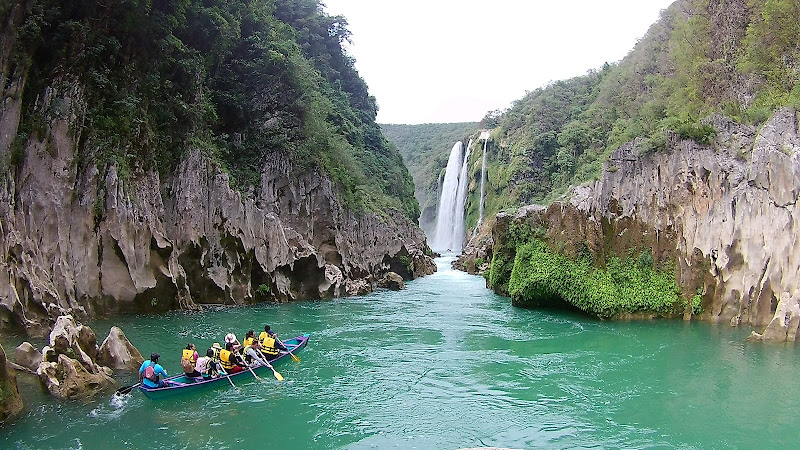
(188, 361)
(207, 366)
(229, 360)
(150, 372)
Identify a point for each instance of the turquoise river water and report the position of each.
(444, 364)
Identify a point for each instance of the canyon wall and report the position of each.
(725, 213)
(77, 239)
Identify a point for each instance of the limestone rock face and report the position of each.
(726, 212)
(27, 356)
(67, 370)
(10, 400)
(392, 281)
(118, 353)
(78, 240)
(67, 378)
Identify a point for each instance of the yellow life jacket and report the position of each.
(262, 335)
(247, 342)
(216, 353)
(226, 359)
(268, 346)
(187, 360)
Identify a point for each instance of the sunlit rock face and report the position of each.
(83, 241)
(732, 209)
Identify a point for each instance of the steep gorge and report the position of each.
(102, 214)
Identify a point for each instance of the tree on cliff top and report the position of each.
(739, 58)
(239, 80)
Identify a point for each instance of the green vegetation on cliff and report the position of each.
(425, 149)
(536, 270)
(739, 58)
(240, 80)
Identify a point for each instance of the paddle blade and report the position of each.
(125, 389)
(277, 375)
(294, 358)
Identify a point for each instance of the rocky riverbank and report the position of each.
(725, 214)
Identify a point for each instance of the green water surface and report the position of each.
(444, 364)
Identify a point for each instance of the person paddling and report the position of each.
(231, 362)
(150, 372)
(270, 345)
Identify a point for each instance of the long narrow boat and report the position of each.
(181, 384)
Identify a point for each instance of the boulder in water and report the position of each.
(358, 287)
(118, 353)
(27, 356)
(393, 281)
(68, 378)
(10, 400)
(68, 369)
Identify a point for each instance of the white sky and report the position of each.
(455, 60)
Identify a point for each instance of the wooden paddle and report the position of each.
(228, 376)
(294, 357)
(278, 376)
(124, 390)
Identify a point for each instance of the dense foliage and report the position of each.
(739, 58)
(240, 80)
(425, 149)
(625, 285)
(536, 270)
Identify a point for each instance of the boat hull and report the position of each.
(181, 385)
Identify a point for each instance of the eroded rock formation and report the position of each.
(10, 400)
(69, 368)
(81, 241)
(118, 353)
(726, 213)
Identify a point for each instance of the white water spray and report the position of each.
(449, 231)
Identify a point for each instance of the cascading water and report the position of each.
(449, 231)
(485, 137)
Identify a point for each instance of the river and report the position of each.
(443, 364)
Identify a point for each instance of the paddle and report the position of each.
(254, 374)
(278, 376)
(294, 357)
(228, 376)
(124, 390)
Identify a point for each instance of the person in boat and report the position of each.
(150, 372)
(189, 360)
(267, 332)
(230, 360)
(208, 366)
(249, 337)
(215, 348)
(231, 338)
(270, 344)
(253, 355)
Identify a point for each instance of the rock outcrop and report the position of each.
(10, 400)
(726, 213)
(118, 353)
(80, 240)
(392, 281)
(69, 369)
(27, 356)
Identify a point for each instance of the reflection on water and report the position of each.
(444, 364)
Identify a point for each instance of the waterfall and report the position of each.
(461, 200)
(483, 182)
(449, 231)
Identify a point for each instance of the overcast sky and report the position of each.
(454, 60)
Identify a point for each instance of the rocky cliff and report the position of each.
(733, 204)
(79, 240)
(725, 213)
